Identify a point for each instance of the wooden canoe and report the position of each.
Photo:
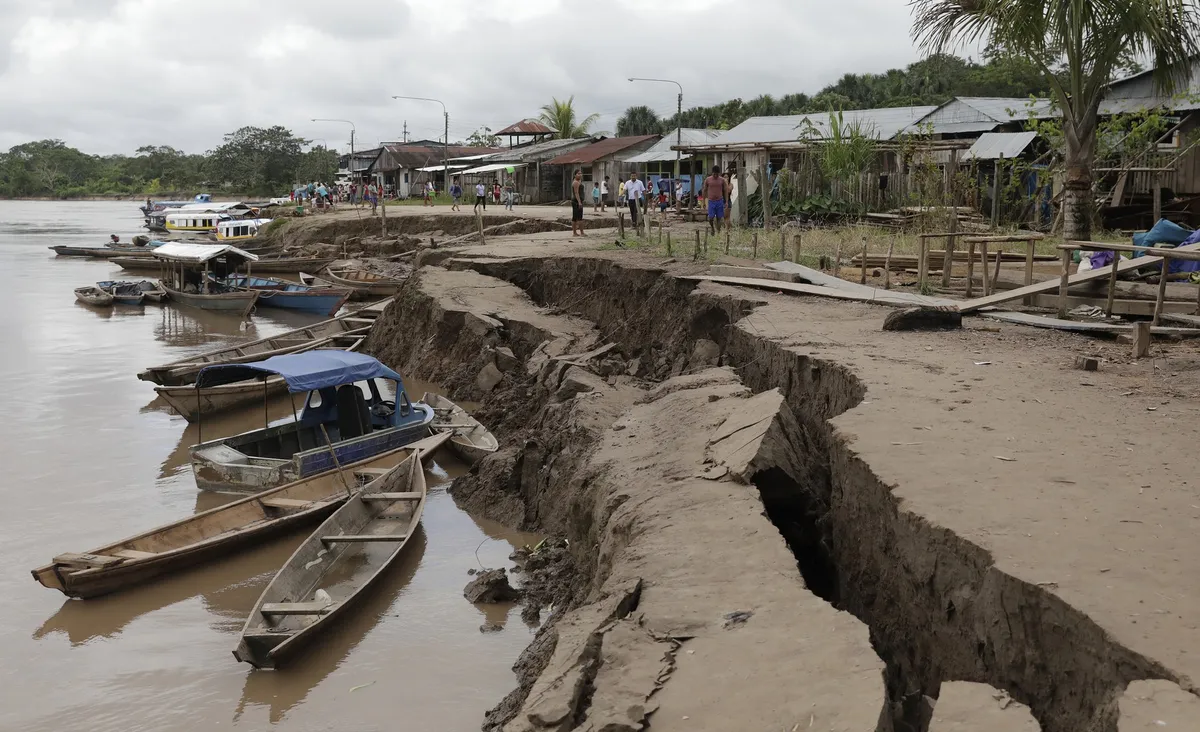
(240, 303)
(191, 403)
(217, 532)
(93, 296)
(470, 440)
(317, 335)
(362, 282)
(334, 567)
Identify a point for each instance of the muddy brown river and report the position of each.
(90, 457)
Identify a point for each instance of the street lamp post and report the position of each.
(446, 142)
(353, 129)
(678, 118)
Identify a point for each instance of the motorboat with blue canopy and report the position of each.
(347, 421)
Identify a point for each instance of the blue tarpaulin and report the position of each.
(303, 372)
(1169, 234)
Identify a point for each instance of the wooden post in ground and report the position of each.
(1162, 290)
(970, 266)
(837, 258)
(983, 257)
(668, 243)
(862, 277)
(754, 252)
(887, 265)
(782, 244)
(1063, 284)
(922, 261)
(728, 236)
(1029, 246)
(1112, 286)
(696, 255)
(948, 263)
(479, 224)
(1157, 199)
(621, 224)
(382, 219)
(996, 275)
(706, 236)
(796, 240)
(1141, 339)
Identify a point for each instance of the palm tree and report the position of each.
(1089, 38)
(561, 116)
(639, 121)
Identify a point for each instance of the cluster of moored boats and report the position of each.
(350, 458)
(224, 277)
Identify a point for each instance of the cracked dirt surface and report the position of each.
(990, 514)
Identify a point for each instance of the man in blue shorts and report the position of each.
(716, 191)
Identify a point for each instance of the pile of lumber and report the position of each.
(937, 259)
(909, 217)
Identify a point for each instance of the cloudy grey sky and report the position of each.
(107, 76)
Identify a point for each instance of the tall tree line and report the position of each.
(250, 161)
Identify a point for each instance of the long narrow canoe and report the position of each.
(191, 402)
(229, 302)
(217, 532)
(470, 440)
(362, 282)
(317, 335)
(333, 567)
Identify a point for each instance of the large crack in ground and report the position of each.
(937, 608)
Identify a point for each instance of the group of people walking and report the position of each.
(715, 194)
(498, 194)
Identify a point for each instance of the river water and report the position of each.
(89, 457)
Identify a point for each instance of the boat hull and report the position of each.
(363, 288)
(212, 534)
(309, 302)
(192, 403)
(230, 302)
(222, 469)
(270, 640)
(93, 296)
(470, 440)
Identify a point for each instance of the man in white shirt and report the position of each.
(604, 194)
(480, 197)
(634, 190)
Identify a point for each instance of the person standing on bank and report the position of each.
(480, 197)
(633, 194)
(604, 195)
(715, 191)
(577, 204)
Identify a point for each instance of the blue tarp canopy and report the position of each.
(307, 371)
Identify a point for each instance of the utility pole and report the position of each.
(446, 146)
(353, 129)
(678, 120)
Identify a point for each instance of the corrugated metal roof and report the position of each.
(180, 252)
(1182, 103)
(980, 114)
(492, 168)
(527, 127)
(992, 145)
(661, 150)
(601, 149)
(525, 152)
(885, 123)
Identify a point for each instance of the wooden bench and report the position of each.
(392, 496)
(134, 554)
(297, 608)
(87, 560)
(363, 538)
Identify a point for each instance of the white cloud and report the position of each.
(110, 75)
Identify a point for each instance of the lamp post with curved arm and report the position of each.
(446, 142)
(353, 129)
(678, 117)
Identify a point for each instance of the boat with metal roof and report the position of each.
(192, 274)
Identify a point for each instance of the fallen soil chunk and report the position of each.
(966, 707)
(491, 586)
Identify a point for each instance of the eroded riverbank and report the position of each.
(860, 547)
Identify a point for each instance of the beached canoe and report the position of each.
(470, 440)
(335, 566)
(94, 296)
(363, 283)
(325, 334)
(277, 293)
(215, 533)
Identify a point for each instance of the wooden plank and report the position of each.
(287, 503)
(1140, 308)
(1041, 321)
(1092, 274)
(134, 554)
(362, 538)
(391, 496)
(372, 472)
(1141, 339)
(1191, 320)
(879, 297)
(298, 608)
(87, 560)
(1176, 291)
